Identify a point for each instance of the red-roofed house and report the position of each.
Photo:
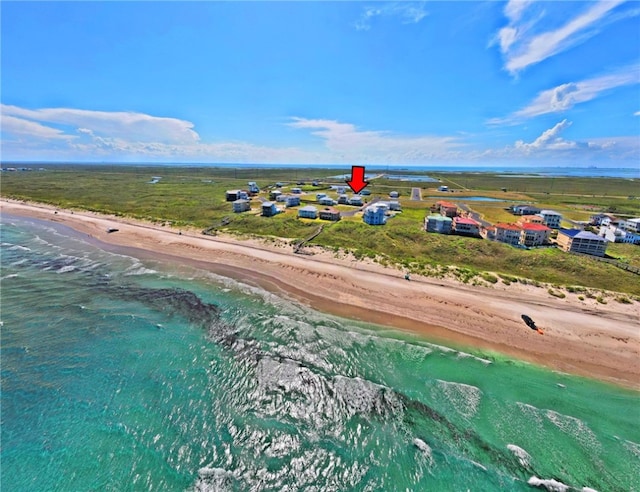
(534, 234)
(465, 226)
(447, 209)
(507, 233)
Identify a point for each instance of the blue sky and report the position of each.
(406, 83)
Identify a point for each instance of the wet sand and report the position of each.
(580, 337)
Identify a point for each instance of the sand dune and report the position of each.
(581, 337)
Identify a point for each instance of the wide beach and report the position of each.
(580, 337)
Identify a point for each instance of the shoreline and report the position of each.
(583, 338)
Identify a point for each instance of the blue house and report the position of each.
(292, 201)
(269, 209)
(253, 187)
(374, 215)
(308, 212)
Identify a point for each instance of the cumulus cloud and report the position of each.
(565, 96)
(551, 140)
(524, 46)
(128, 125)
(407, 12)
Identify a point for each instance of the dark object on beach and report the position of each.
(531, 324)
(112, 229)
(407, 277)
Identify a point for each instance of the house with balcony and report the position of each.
(579, 241)
(269, 209)
(438, 223)
(465, 226)
(253, 187)
(531, 219)
(601, 219)
(326, 200)
(374, 215)
(551, 218)
(241, 206)
(616, 234)
(292, 201)
(356, 200)
(308, 212)
(232, 195)
(524, 210)
(534, 234)
(343, 199)
(330, 213)
(507, 233)
(447, 209)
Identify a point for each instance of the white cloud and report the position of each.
(522, 47)
(128, 125)
(550, 140)
(345, 140)
(18, 126)
(637, 113)
(566, 96)
(407, 12)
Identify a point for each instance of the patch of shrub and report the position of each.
(581, 298)
(559, 295)
(623, 300)
(601, 300)
(489, 277)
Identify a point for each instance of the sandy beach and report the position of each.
(580, 337)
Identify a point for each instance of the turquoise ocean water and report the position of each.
(119, 374)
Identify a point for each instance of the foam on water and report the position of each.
(210, 384)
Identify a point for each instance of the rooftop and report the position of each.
(580, 234)
(549, 212)
(509, 227)
(530, 226)
(465, 220)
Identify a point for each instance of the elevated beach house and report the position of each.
(356, 200)
(253, 187)
(374, 215)
(326, 200)
(308, 212)
(438, 223)
(269, 209)
(465, 226)
(579, 241)
(241, 206)
(534, 234)
(330, 213)
(394, 194)
(292, 201)
(232, 195)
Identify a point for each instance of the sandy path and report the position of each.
(586, 338)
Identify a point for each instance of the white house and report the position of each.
(551, 218)
(292, 201)
(241, 206)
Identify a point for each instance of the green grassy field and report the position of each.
(195, 197)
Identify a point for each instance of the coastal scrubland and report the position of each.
(195, 197)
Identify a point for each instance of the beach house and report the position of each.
(551, 218)
(253, 187)
(393, 194)
(320, 195)
(534, 234)
(374, 215)
(447, 209)
(524, 210)
(579, 241)
(443, 188)
(343, 199)
(601, 219)
(241, 206)
(356, 200)
(330, 213)
(615, 234)
(296, 191)
(232, 195)
(269, 209)
(308, 212)
(292, 201)
(274, 194)
(531, 219)
(438, 223)
(507, 233)
(465, 226)
(325, 200)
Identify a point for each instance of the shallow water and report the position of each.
(124, 375)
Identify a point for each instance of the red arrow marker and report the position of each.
(357, 182)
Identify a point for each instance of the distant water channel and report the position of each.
(472, 198)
